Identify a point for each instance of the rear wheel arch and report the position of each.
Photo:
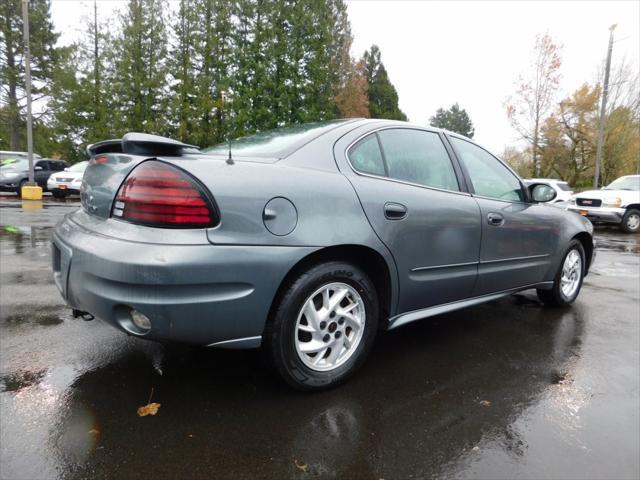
(366, 258)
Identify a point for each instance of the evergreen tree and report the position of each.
(140, 80)
(43, 63)
(453, 119)
(81, 94)
(383, 97)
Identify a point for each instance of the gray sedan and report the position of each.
(307, 241)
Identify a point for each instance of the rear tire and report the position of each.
(568, 280)
(58, 194)
(323, 326)
(631, 221)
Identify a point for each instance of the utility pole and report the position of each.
(603, 109)
(27, 71)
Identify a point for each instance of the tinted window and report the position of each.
(58, 166)
(42, 163)
(365, 156)
(489, 177)
(418, 157)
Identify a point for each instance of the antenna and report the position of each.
(222, 100)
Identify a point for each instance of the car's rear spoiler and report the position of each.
(142, 144)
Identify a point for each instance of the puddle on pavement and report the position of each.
(22, 238)
(16, 381)
(617, 241)
(24, 315)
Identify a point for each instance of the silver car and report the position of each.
(307, 241)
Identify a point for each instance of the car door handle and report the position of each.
(394, 211)
(495, 219)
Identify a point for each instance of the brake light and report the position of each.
(160, 195)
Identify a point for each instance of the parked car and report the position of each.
(11, 155)
(67, 182)
(308, 240)
(618, 203)
(562, 188)
(14, 174)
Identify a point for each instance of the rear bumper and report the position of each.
(600, 214)
(65, 187)
(197, 293)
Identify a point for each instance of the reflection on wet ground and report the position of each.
(503, 390)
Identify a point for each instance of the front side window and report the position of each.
(417, 156)
(489, 177)
(365, 156)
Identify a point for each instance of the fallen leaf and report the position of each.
(148, 409)
(485, 403)
(93, 431)
(301, 466)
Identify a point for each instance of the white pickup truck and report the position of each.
(617, 203)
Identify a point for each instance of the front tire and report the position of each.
(631, 221)
(20, 185)
(568, 281)
(323, 326)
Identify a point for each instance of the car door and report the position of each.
(414, 199)
(41, 176)
(519, 238)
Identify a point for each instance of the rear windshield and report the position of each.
(564, 186)
(279, 142)
(78, 167)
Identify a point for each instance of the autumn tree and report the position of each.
(454, 119)
(352, 98)
(534, 97)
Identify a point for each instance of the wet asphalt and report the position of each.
(508, 389)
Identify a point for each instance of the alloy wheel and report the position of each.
(330, 326)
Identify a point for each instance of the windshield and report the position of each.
(78, 167)
(625, 183)
(274, 143)
(564, 186)
(15, 165)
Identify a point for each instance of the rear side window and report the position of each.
(417, 156)
(57, 166)
(490, 178)
(365, 156)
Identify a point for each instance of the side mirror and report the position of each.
(541, 192)
(38, 167)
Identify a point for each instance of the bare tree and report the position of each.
(535, 95)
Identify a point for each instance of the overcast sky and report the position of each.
(439, 53)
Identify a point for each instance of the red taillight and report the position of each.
(159, 195)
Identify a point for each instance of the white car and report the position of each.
(68, 182)
(617, 203)
(562, 188)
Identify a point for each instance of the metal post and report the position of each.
(603, 110)
(27, 71)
